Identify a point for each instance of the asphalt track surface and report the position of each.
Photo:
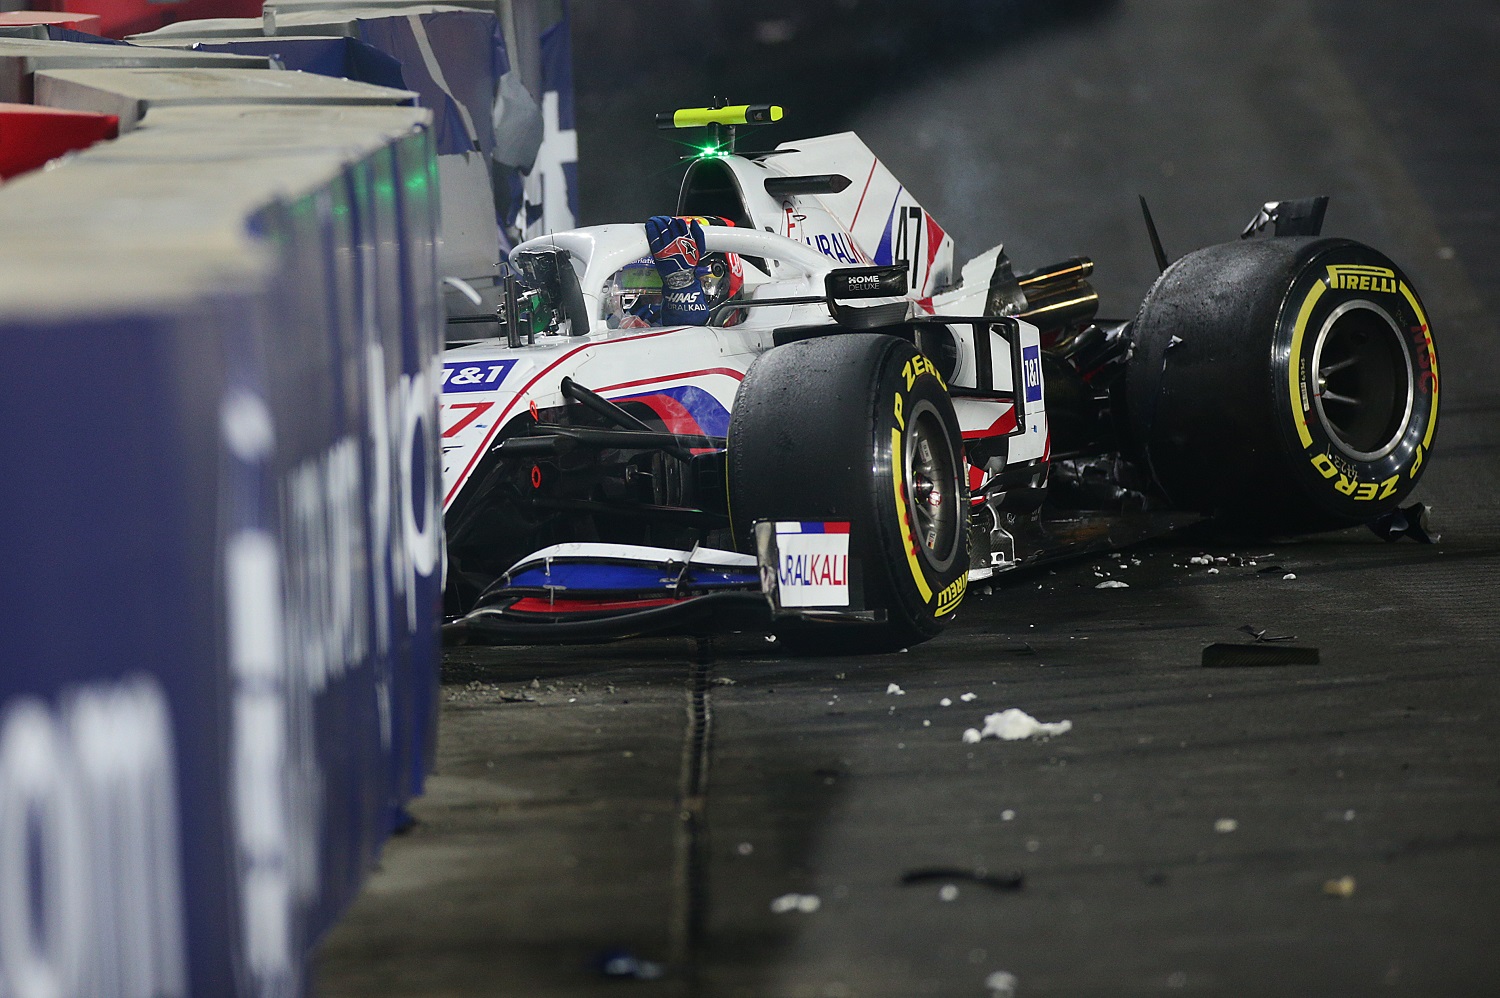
(652, 801)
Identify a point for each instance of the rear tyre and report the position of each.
(858, 428)
(1284, 384)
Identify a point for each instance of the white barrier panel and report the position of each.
(131, 93)
(20, 58)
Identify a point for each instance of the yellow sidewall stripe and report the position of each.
(957, 590)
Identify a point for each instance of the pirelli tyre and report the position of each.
(858, 428)
(1285, 384)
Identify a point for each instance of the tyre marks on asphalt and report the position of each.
(691, 839)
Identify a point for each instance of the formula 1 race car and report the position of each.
(861, 431)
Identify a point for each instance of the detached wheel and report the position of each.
(858, 427)
(1284, 384)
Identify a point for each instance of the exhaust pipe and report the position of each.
(1058, 298)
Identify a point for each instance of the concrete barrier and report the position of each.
(218, 338)
(452, 56)
(21, 58)
(221, 578)
(129, 93)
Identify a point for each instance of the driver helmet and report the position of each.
(723, 277)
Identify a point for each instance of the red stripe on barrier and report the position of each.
(32, 136)
(128, 17)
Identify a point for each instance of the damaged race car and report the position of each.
(784, 409)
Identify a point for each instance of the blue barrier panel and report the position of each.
(417, 179)
(236, 462)
(286, 441)
(340, 56)
(397, 240)
(393, 215)
(392, 211)
(542, 194)
(453, 59)
(316, 399)
(117, 767)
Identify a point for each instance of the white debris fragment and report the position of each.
(895, 691)
(926, 723)
(1113, 584)
(971, 735)
(1225, 825)
(969, 696)
(1008, 815)
(945, 702)
(1201, 559)
(1288, 576)
(948, 892)
(1343, 887)
(1002, 984)
(1013, 724)
(804, 903)
(744, 848)
(1213, 571)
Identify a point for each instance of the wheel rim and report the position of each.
(1363, 388)
(932, 498)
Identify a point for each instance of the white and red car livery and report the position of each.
(865, 428)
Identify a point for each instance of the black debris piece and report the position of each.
(1271, 570)
(1227, 656)
(1012, 881)
(1409, 521)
